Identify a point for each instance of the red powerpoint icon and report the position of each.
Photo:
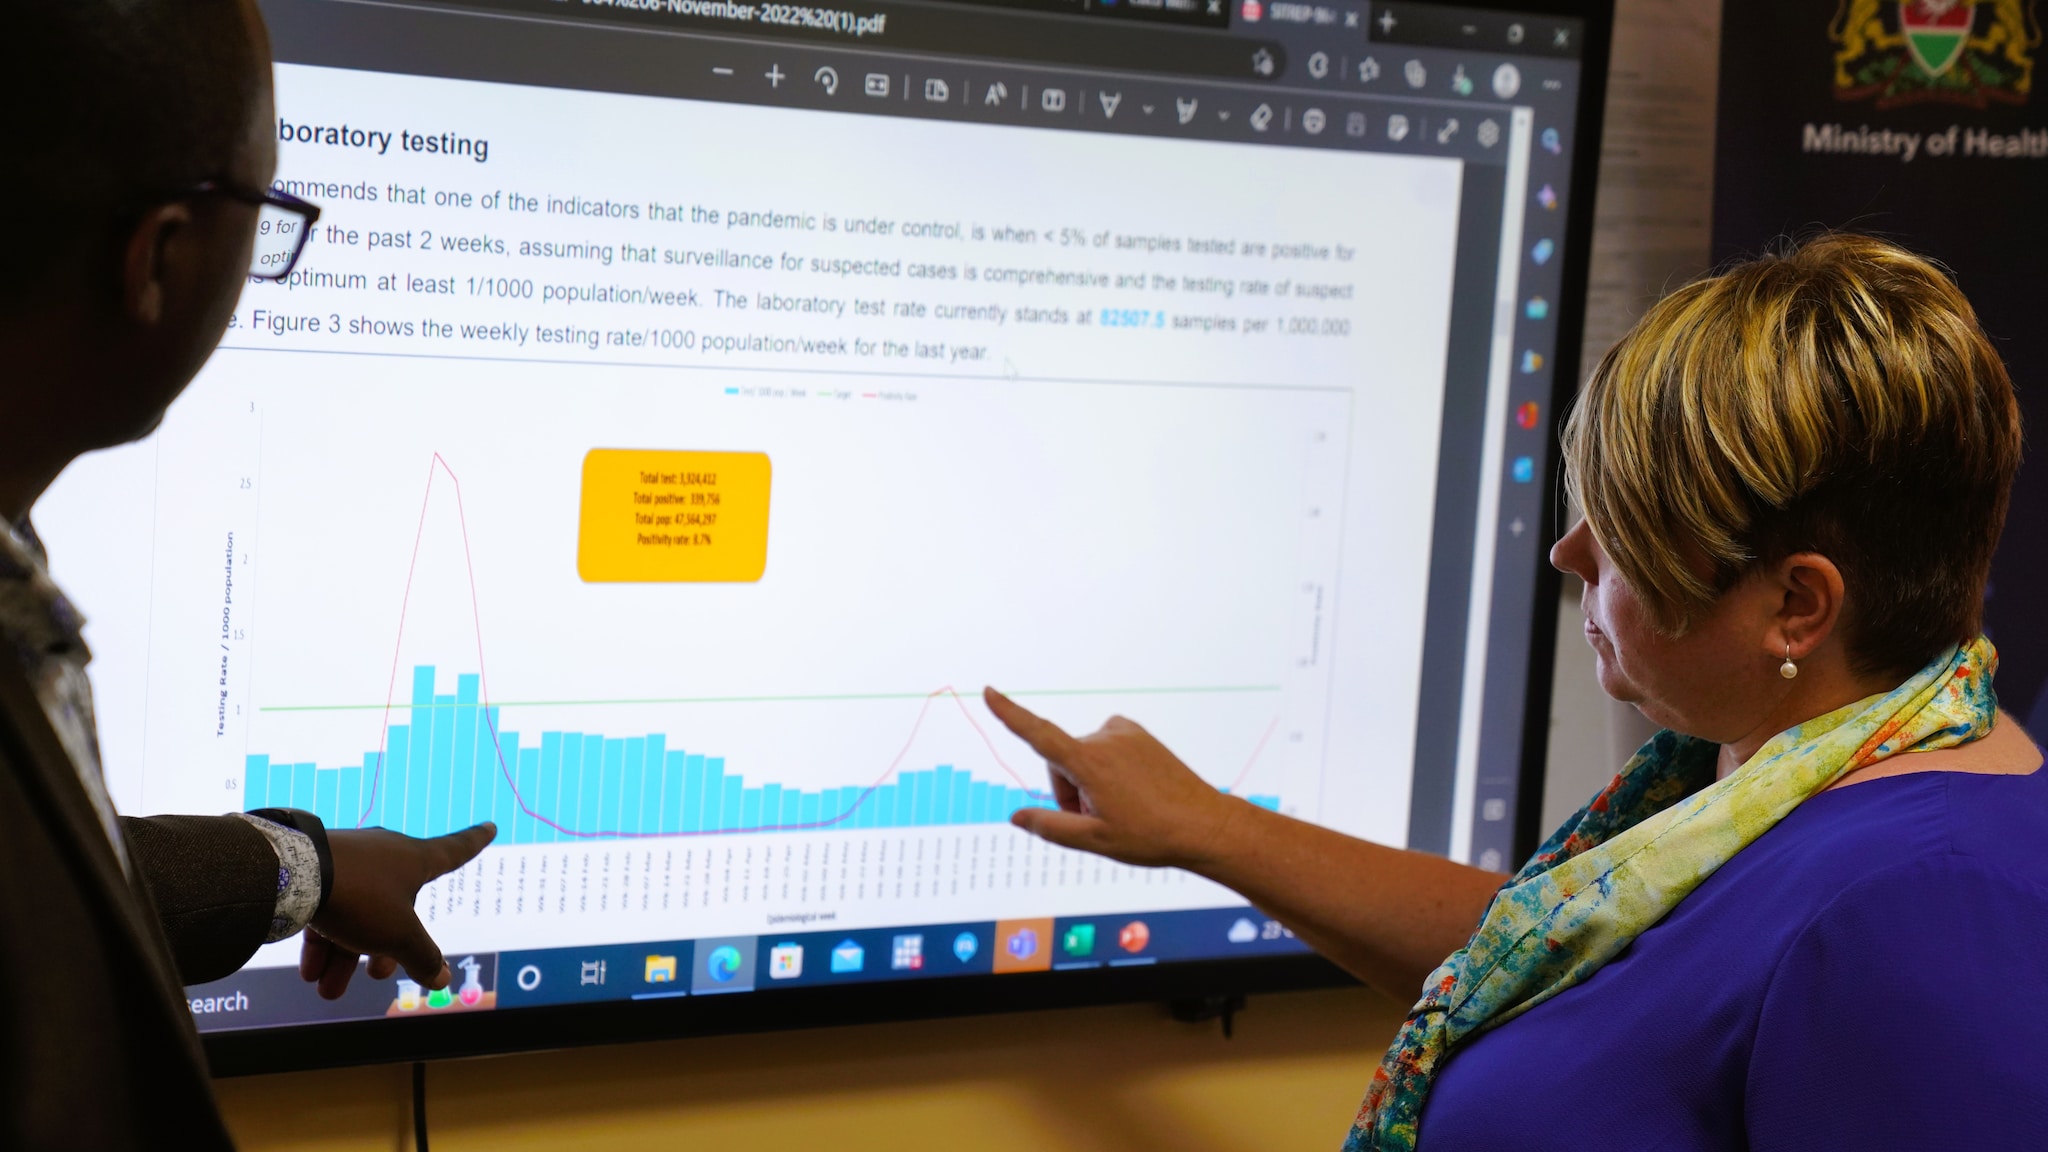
(1134, 936)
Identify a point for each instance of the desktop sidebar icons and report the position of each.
(1024, 945)
(785, 961)
(906, 952)
(847, 957)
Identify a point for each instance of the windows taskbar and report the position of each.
(261, 998)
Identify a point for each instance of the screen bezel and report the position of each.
(302, 1047)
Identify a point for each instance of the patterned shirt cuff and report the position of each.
(298, 877)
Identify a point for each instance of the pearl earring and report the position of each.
(1788, 669)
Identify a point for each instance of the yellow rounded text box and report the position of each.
(653, 517)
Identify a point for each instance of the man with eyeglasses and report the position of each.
(140, 152)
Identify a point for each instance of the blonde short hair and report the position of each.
(1836, 398)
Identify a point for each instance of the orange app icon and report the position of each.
(1024, 945)
(1134, 936)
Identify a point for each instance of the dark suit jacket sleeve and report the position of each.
(214, 880)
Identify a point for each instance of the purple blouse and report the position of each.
(1870, 974)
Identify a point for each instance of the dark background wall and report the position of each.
(1984, 216)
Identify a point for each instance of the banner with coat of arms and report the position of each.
(1917, 120)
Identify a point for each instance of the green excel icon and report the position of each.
(1079, 940)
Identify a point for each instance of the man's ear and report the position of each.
(1811, 604)
(145, 268)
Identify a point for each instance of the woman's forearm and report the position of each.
(1386, 915)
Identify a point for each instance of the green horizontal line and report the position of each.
(1216, 689)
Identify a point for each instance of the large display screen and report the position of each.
(685, 406)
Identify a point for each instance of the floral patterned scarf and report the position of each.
(1628, 858)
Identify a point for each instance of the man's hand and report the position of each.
(1121, 793)
(377, 877)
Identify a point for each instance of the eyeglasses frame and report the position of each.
(307, 211)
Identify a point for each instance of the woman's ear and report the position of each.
(1811, 595)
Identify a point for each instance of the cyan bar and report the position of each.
(613, 797)
(672, 777)
(942, 794)
(590, 818)
(389, 793)
(463, 778)
(255, 783)
(809, 813)
(977, 803)
(303, 786)
(348, 799)
(921, 797)
(500, 775)
(441, 770)
(828, 806)
(422, 752)
(494, 761)
(635, 784)
(279, 793)
(771, 806)
(963, 791)
(750, 809)
(326, 794)
(1013, 799)
(789, 811)
(693, 793)
(732, 806)
(849, 803)
(570, 803)
(547, 801)
(885, 806)
(494, 801)
(864, 810)
(714, 794)
(520, 826)
(651, 784)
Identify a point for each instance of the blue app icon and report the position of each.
(1543, 251)
(1537, 308)
(1524, 469)
(848, 956)
(723, 964)
(965, 946)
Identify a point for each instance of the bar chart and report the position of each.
(452, 764)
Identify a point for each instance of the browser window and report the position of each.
(684, 407)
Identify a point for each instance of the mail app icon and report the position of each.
(848, 956)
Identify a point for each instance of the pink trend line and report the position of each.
(1257, 750)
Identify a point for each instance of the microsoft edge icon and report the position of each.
(723, 964)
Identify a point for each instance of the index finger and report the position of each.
(458, 848)
(1045, 737)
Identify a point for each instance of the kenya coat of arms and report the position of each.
(1955, 51)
